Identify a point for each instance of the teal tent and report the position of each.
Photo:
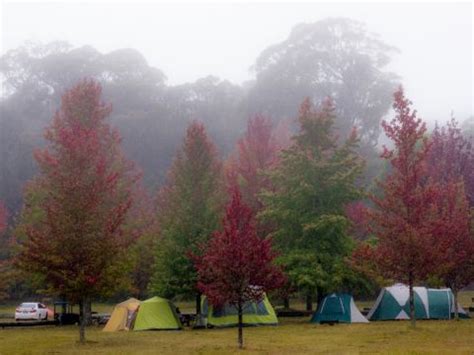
(338, 308)
(441, 304)
(393, 303)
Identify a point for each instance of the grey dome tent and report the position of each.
(393, 303)
(338, 308)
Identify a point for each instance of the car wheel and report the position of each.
(45, 316)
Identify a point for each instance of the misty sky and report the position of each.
(189, 41)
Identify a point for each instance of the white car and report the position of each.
(31, 310)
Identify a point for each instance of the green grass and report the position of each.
(295, 336)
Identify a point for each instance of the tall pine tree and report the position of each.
(189, 209)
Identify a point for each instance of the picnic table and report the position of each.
(187, 318)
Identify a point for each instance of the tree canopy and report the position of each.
(188, 211)
(313, 181)
(335, 57)
(236, 265)
(71, 226)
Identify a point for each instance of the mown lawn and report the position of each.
(294, 336)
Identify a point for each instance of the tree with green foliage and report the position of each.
(312, 183)
(189, 209)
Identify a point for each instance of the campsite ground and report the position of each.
(291, 336)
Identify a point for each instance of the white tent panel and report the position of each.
(402, 315)
(356, 316)
(400, 293)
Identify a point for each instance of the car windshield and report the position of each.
(28, 305)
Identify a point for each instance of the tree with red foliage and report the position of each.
(236, 266)
(282, 135)
(401, 217)
(357, 213)
(451, 166)
(451, 157)
(71, 225)
(453, 238)
(255, 152)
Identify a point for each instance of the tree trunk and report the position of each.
(412, 301)
(309, 302)
(319, 296)
(456, 310)
(88, 312)
(241, 336)
(82, 327)
(286, 302)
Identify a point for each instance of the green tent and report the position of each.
(261, 313)
(157, 313)
(338, 308)
(393, 303)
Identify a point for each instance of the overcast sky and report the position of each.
(189, 41)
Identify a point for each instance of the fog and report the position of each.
(190, 41)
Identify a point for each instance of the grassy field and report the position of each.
(294, 336)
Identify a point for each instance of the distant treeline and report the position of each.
(334, 57)
(339, 58)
